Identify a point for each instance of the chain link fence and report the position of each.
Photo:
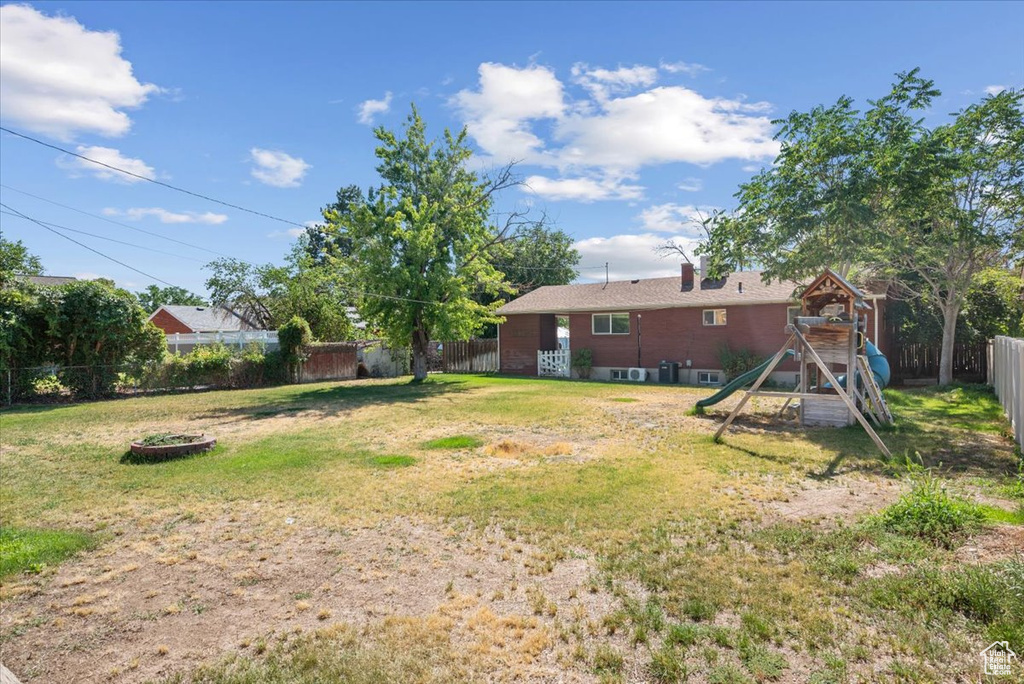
(55, 384)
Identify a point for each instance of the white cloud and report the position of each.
(752, 168)
(688, 68)
(59, 78)
(370, 108)
(628, 257)
(994, 89)
(603, 82)
(674, 218)
(526, 114)
(106, 155)
(289, 233)
(277, 168)
(498, 115)
(89, 275)
(583, 189)
(166, 216)
(691, 185)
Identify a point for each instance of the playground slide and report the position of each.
(742, 381)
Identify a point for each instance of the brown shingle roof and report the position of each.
(653, 293)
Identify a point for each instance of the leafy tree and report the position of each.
(270, 295)
(422, 242)
(535, 256)
(15, 259)
(926, 208)
(995, 305)
(153, 297)
(324, 242)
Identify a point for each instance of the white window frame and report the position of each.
(791, 313)
(708, 374)
(714, 313)
(619, 374)
(611, 326)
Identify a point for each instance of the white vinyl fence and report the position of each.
(554, 363)
(184, 342)
(1007, 377)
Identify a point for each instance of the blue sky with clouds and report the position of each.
(627, 118)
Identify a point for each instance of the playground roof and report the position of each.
(741, 287)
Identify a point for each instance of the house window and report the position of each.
(791, 313)
(714, 316)
(620, 374)
(708, 378)
(611, 324)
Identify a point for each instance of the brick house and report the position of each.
(639, 323)
(173, 318)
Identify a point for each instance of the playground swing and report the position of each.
(828, 332)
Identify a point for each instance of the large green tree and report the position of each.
(926, 208)
(271, 295)
(15, 259)
(536, 255)
(422, 242)
(88, 328)
(154, 296)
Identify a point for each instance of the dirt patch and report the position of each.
(997, 543)
(145, 605)
(822, 502)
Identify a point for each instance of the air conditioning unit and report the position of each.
(638, 374)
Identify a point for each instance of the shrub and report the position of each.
(583, 363)
(930, 512)
(293, 336)
(738, 362)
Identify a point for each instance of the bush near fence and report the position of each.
(208, 366)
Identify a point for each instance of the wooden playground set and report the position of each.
(841, 372)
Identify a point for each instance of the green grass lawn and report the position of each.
(708, 579)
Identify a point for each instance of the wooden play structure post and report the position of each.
(826, 334)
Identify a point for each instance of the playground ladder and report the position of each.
(878, 406)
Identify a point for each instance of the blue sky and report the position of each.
(628, 117)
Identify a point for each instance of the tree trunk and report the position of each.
(950, 312)
(419, 357)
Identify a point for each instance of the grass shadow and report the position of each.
(341, 399)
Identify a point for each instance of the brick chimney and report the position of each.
(687, 279)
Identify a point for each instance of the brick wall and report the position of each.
(679, 334)
(521, 336)
(169, 324)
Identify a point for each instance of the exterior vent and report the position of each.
(638, 374)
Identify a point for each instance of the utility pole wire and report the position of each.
(80, 244)
(111, 221)
(151, 180)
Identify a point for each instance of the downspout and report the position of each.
(638, 347)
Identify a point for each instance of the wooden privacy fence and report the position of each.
(329, 361)
(909, 361)
(470, 356)
(1007, 377)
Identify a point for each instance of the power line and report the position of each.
(80, 244)
(109, 239)
(151, 180)
(113, 222)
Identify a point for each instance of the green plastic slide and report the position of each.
(740, 382)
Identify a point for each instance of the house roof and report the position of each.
(207, 318)
(49, 281)
(653, 293)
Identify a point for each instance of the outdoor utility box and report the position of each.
(668, 372)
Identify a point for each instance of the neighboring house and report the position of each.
(639, 323)
(49, 281)
(174, 318)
